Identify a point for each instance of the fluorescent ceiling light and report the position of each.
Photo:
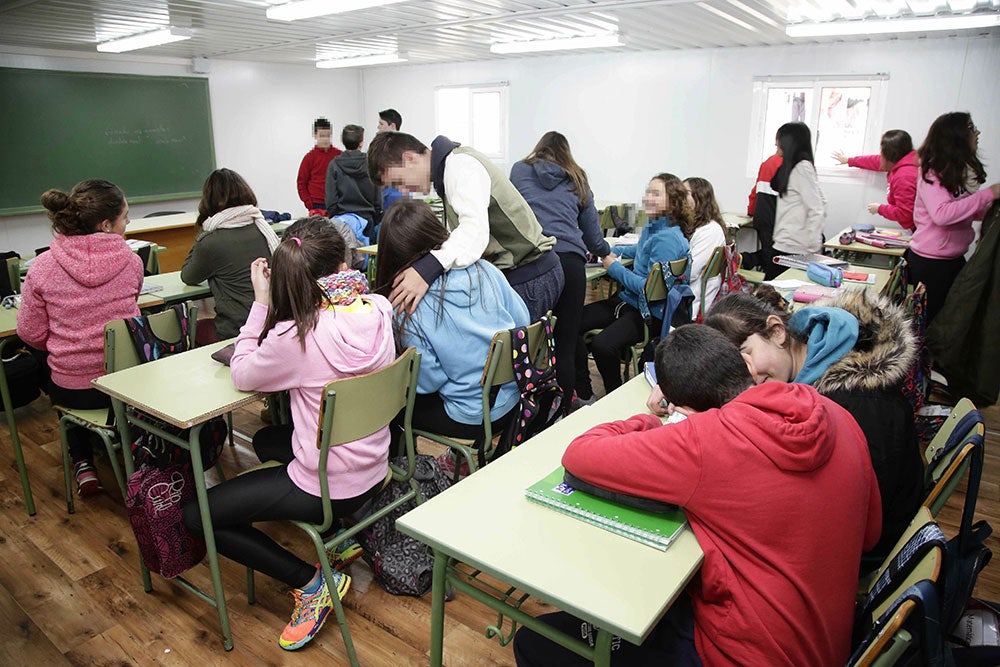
(307, 9)
(877, 27)
(562, 44)
(143, 40)
(361, 61)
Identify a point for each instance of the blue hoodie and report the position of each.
(548, 189)
(830, 334)
(660, 241)
(478, 301)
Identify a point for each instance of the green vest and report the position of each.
(516, 238)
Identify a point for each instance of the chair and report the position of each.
(364, 404)
(955, 450)
(906, 565)
(119, 354)
(14, 274)
(714, 268)
(499, 370)
(896, 287)
(656, 290)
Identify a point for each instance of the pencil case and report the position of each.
(829, 276)
(863, 227)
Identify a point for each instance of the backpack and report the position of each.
(732, 281)
(148, 345)
(402, 565)
(540, 405)
(26, 372)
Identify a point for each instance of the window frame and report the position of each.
(874, 127)
(502, 88)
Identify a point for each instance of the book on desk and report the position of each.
(804, 260)
(654, 529)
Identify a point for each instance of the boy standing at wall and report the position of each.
(778, 487)
(348, 187)
(312, 171)
(487, 216)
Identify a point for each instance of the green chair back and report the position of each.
(896, 288)
(716, 263)
(14, 273)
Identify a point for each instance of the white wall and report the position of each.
(262, 118)
(630, 116)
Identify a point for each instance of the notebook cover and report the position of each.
(150, 287)
(649, 370)
(656, 530)
(225, 354)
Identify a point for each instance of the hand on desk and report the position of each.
(609, 259)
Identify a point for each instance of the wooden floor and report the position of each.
(70, 591)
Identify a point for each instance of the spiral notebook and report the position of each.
(654, 529)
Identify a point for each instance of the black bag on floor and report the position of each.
(24, 373)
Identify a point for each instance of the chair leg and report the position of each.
(63, 426)
(251, 587)
(115, 466)
(229, 422)
(338, 605)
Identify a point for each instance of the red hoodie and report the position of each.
(779, 490)
(312, 176)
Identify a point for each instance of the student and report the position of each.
(801, 210)
(779, 491)
(897, 157)
(762, 204)
(452, 326)
(389, 120)
(488, 218)
(622, 316)
(856, 350)
(320, 326)
(312, 171)
(233, 233)
(348, 188)
(89, 277)
(949, 198)
(705, 234)
(556, 188)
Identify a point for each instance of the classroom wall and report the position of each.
(632, 115)
(262, 121)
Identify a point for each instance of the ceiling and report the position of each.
(439, 30)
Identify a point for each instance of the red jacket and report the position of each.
(312, 176)
(768, 168)
(779, 490)
(902, 186)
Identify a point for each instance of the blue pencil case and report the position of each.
(821, 274)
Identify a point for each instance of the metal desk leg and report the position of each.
(206, 522)
(439, 582)
(602, 649)
(15, 439)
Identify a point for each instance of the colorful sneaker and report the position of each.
(344, 554)
(87, 483)
(311, 610)
(446, 460)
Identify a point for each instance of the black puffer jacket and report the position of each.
(867, 383)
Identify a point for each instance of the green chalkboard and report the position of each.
(151, 135)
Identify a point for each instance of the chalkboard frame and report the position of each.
(191, 161)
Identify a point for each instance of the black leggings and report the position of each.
(429, 415)
(80, 440)
(622, 326)
(937, 275)
(569, 311)
(268, 494)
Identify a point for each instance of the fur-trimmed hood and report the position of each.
(885, 351)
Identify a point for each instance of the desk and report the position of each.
(184, 390)
(8, 329)
(547, 554)
(864, 254)
(739, 228)
(881, 279)
(174, 289)
(175, 232)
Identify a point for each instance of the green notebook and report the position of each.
(653, 529)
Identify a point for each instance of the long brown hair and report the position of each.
(83, 208)
(554, 148)
(740, 315)
(223, 189)
(947, 152)
(706, 208)
(678, 210)
(309, 250)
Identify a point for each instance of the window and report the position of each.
(843, 114)
(475, 115)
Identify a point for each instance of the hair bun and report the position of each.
(55, 200)
(771, 297)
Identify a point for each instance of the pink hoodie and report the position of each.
(73, 290)
(944, 221)
(346, 342)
